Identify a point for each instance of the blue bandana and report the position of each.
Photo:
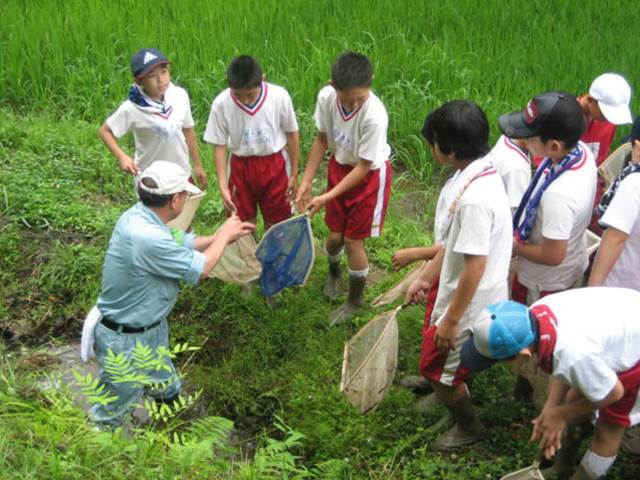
(148, 104)
(530, 201)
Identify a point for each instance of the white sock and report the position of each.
(596, 465)
(359, 273)
(335, 258)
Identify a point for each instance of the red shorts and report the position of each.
(360, 212)
(626, 411)
(519, 292)
(441, 367)
(260, 181)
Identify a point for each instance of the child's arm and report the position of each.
(613, 242)
(318, 147)
(220, 161)
(351, 180)
(125, 161)
(474, 266)
(293, 148)
(190, 138)
(405, 256)
(417, 291)
(549, 252)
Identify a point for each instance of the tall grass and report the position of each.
(72, 57)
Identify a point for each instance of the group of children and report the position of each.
(491, 209)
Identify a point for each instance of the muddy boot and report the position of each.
(565, 461)
(466, 431)
(355, 300)
(582, 474)
(426, 403)
(333, 286)
(417, 383)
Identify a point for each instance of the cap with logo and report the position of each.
(613, 94)
(169, 177)
(145, 59)
(501, 331)
(555, 115)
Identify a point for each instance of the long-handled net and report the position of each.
(286, 254)
(613, 164)
(238, 264)
(370, 362)
(399, 288)
(184, 220)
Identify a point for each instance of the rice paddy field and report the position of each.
(64, 67)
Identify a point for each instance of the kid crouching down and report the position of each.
(352, 124)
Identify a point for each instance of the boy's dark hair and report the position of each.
(244, 72)
(351, 70)
(459, 127)
(149, 199)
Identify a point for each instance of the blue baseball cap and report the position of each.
(145, 59)
(500, 332)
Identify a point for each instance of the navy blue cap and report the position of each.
(145, 59)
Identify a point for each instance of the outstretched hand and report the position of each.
(548, 429)
(233, 228)
(417, 292)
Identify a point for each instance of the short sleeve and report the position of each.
(188, 121)
(320, 113)
(288, 120)
(162, 256)
(624, 209)
(121, 121)
(558, 216)
(474, 236)
(216, 131)
(373, 141)
(592, 376)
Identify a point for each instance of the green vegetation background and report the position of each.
(64, 68)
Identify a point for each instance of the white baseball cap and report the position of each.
(613, 95)
(169, 177)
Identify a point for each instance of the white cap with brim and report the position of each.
(169, 177)
(613, 94)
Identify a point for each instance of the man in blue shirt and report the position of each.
(144, 264)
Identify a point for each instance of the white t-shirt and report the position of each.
(256, 130)
(598, 334)
(564, 213)
(481, 225)
(514, 166)
(156, 136)
(623, 214)
(361, 134)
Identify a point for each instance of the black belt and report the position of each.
(116, 327)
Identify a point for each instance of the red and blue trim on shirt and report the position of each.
(255, 106)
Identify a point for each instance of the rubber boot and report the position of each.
(565, 461)
(466, 431)
(582, 474)
(355, 299)
(417, 383)
(426, 403)
(333, 286)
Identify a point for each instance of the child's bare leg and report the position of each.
(333, 245)
(358, 271)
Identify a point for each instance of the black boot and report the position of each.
(466, 431)
(355, 300)
(333, 286)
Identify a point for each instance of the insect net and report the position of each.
(370, 362)
(238, 263)
(286, 254)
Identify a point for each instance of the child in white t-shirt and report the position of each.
(586, 339)
(159, 115)
(555, 210)
(511, 159)
(473, 230)
(618, 260)
(255, 121)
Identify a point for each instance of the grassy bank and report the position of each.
(71, 57)
(60, 195)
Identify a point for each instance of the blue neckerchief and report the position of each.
(146, 103)
(611, 192)
(530, 201)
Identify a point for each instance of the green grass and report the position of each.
(255, 363)
(71, 57)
